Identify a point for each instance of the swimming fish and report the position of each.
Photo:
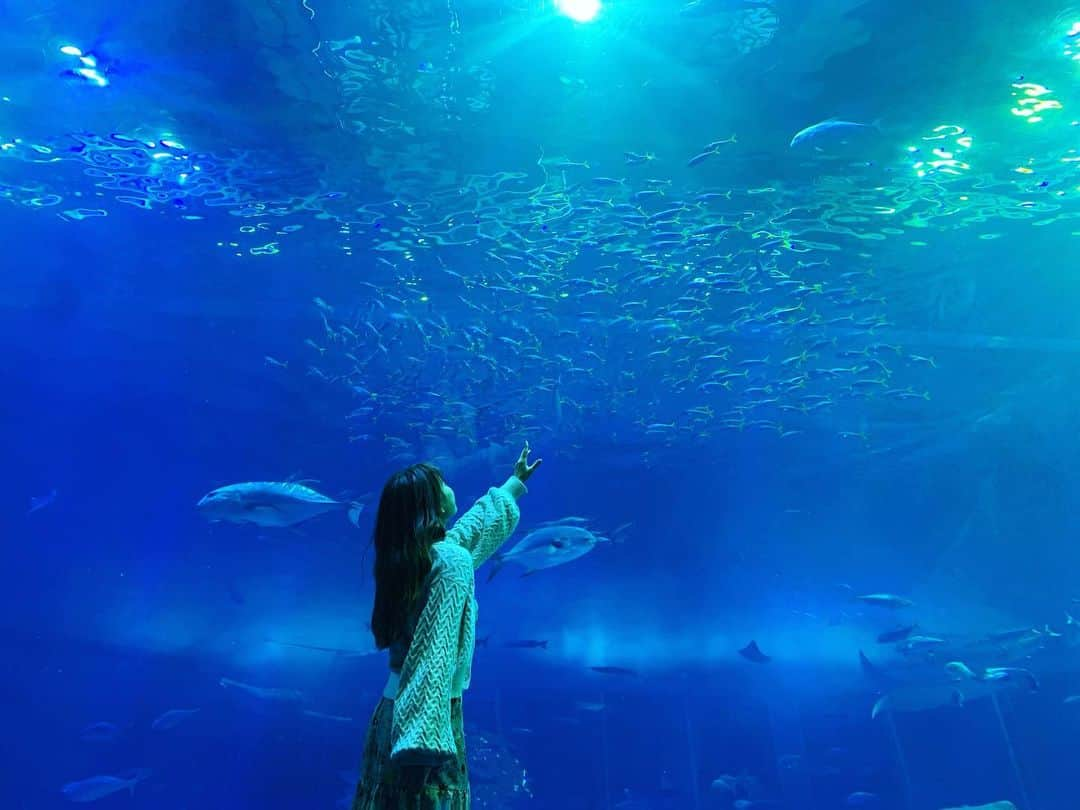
(861, 798)
(828, 125)
(271, 504)
(172, 718)
(751, 652)
(267, 694)
(959, 671)
(41, 501)
(886, 600)
(526, 644)
(700, 158)
(98, 787)
(341, 651)
(547, 547)
(1014, 674)
(590, 706)
(103, 732)
(614, 670)
(921, 643)
(899, 634)
(1002, 805)
(333, 718)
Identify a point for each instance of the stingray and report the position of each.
(751, 652)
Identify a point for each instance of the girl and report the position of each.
(425, 615)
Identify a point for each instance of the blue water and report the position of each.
(320, 240)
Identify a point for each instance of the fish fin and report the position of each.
(880, 705)
(355, 510)
(497, 562)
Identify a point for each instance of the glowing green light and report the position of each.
(581, 11)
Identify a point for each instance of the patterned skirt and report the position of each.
(386, 786)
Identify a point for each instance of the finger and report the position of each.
(535, 464)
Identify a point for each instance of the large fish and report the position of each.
(555, 544)
(284, 697)
(886, 600)
(828, 125)
(272, 504)
(98, 787)
(172, 718)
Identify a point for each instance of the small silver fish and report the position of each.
(886, 600)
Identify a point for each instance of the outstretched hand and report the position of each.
(522, 468)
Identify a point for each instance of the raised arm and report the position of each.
(493, 518)
(421, 733)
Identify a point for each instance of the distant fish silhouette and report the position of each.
(346, 653)
(886, 600)
(102, 732)
(39, 502)
(527, 644)
(172, 718)
(614, 670)
(751, 652)
(899, 634)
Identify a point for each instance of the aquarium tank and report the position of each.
(784, 293)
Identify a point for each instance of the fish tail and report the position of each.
(355, 510)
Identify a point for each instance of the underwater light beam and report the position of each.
(581, 11)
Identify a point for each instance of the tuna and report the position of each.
(272, 504)
(98, 787)
(555, 544)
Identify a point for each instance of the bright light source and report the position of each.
(581, 11)
(70, 50)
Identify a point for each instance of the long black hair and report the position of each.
(409, 521)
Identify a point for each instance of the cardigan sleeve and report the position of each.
(421, 733)
(492, 519)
